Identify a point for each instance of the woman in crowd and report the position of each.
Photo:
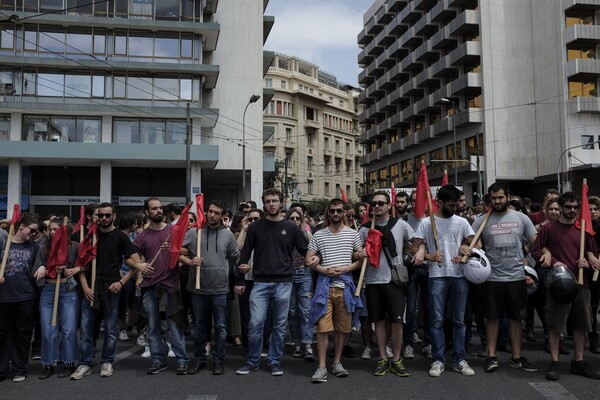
(59, 343)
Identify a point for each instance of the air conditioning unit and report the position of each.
(7, 88)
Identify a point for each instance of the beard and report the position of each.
(502, 208)
(446, 212)
(157, 218)
(401, 209)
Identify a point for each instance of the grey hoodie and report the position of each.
(217, 251)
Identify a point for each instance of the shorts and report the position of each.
(337, 318)
(499, 298)
(386, 301)
(578, 310)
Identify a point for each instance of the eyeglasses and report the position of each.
(294, 218)
(253, 219)
(378, 203)
(107, 216)
(336, 211)
(33, 231)
(271, 201)
(568, 207)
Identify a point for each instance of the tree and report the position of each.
(276, 179)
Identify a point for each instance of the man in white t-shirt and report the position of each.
(446, 277)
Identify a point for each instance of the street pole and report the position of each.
(445, 100)
(188, 163)
(253, 99)
(479, 176)
(558, 171)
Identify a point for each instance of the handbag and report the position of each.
(399, 271)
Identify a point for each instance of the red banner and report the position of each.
(178, 234)
(59, 251)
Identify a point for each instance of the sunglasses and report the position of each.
(100, 216)
(253, 219)
(336, 211)
(378, 203)
(32, 230)
(294, 218)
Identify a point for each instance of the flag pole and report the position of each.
(478, 234)
(11, 232)
(94, 239)
(582, 239)
(57, 287)
(363, 268)
(198, 254)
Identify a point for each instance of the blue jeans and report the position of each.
(204, 305)
(458, 290)
(275, 296)
(157, 347)
(59, 343)
(302, 293)
(419, 282)
(110, 306)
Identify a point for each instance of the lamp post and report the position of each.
(558, 185)
(479, 177)
(253, 99)
(445, 100)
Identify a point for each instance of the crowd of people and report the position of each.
(261, 278)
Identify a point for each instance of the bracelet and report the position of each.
(121, 283)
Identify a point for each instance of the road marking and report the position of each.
(202, 397)
(553, 390)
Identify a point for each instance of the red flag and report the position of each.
(393, 201)
(16, 216)
(178, 234)
(344, 196)
(373, 246)
(87, 250)
(58, 251)
(584, 211)
(81, 221)
(200, 217)
(445, 178)
(421, 203)
(366, 219)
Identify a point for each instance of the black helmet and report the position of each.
(562, 285)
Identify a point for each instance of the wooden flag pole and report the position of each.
(198, 254)
(57, 288)
(11, 232)
(81, 234)
(478, 233)
(363, 268)
(93, 269)
(433, 228)
(581, 250)
(159, 251)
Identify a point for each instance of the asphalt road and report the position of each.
(131, 381)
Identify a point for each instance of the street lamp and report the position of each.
(445, 100)
(253, 99)
(558, 185)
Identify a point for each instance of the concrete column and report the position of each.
(106, 129)
(14, 186)
(105, 181)
(196, 180)
(16, 126)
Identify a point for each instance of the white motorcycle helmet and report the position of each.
(533, 274)
(477, 269)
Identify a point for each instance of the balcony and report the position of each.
(582, 34)
(581, 5)
(467, 23)
(382, 152)
(468, 52)
(371, 157)
(395, 147)
(425, 134)
(583, 69)
(468, 84)
(409, 15)
(442, 127)
(470, 116)
(589, 105)
(442, 13)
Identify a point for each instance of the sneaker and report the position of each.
(309, 355)
(66, 371)
(290, 343)
(19, 378)
(182, 368)
(388, 351)
(319, 376)
(106, 370)
(482, 352)
(218, 368)
(264, 354)
(349, 351)
(171, 354)
(338, 370)
(156, 368)
(383, 366)
(297, 352)
(491, 364)
(246, 369)
(81, 371)
(553, 372)
(123, 335)
(463, 368)
(197, 367)
(141, 341)
(46, 372)
(523, 364)
(416, 338)
(409, 352)
(427, 351)
(35, 355)
(398, 368)
(436, 369)
(146, 353)
(584, 368)
(276, 369)
(207, 348)
(366, 354)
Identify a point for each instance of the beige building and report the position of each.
(311, 127)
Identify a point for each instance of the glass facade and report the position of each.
(45, 128)
(149, 131)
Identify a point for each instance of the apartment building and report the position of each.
(509, 86)
(96, 100)
(311, 127)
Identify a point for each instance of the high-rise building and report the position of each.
(95, 99)
(311, 131)
(509, 86)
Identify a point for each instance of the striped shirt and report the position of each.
(335, 249)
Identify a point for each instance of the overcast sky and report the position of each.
(322, 32)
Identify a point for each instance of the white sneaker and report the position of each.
(388, 351)
(409, 352)
(171, 354)
(436, 369)
(463, 368)
(123, 335)
(81, 371)
(141, 340)
(416, 338)
(106, 370)
(146, 353)
(427, 351)
(366, 354)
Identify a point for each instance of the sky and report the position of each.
(322, 32)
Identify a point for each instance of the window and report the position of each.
(268, 82)
(338, 166)
(269, 154)
(310, 187)
(347, 147)
(310, 114)
(283, 84)
(338, 146)
(309, 163)
(309, 139)
(450, 152)
(475, 145)
(283, 63)
(341, 103)
(7, 39)
(327, 191)
(582, 89)
(326, 143)
(61, 129)
(149, 131)
(327, 166)
(4, 127)
(588, 142)
(394, 172)
(288, 134)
